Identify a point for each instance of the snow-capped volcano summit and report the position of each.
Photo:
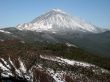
(57, 20)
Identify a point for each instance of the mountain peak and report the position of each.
(56, 20)
(58, 10)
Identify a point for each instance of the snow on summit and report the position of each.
(59, 10)
(57, 20)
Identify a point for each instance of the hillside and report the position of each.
(55, 62)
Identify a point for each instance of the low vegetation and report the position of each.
(30, 51)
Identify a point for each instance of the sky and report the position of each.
(14, 12)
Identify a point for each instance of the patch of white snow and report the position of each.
(5, 32)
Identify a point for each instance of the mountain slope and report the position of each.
(57, 20)
(97, 43)
(26, 62)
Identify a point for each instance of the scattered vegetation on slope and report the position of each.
(30, 51)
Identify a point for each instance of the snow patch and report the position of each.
(71, 45)
(7, 66)
(58, 75)
(22, 67)
(74, 62)
(58, 10)
(66, 61)
(5, 32)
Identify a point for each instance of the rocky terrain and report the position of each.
(24, 62)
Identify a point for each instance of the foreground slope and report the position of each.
(27, 62)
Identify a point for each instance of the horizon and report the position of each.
(23, 11)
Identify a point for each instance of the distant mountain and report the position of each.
(57, 20)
